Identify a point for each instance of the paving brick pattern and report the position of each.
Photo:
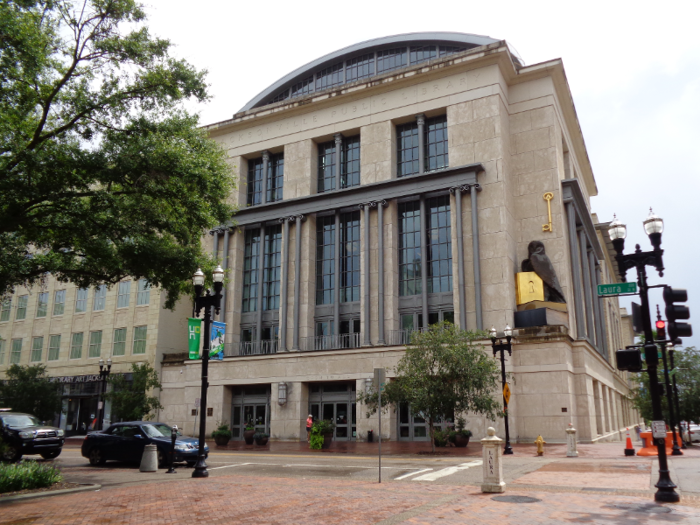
(281, 501)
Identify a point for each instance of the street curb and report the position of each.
(23, 497)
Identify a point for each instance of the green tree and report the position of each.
(28, 389)
(131, 400)
(442, 372)
(103, 174)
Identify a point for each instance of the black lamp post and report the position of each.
(502, 348)
(639, 260)
(104, 374)
(671, 353)
(207, 301)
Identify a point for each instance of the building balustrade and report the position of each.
(332, 342)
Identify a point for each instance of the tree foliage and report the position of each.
(102, 173)
(28, 389)
(131, 400)
(442, 372)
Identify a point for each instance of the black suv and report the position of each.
(24, 434)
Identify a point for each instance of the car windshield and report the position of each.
(158, 430)
(21, 421)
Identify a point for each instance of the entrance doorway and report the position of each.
(335, 402)
(250, 403)
(414, 427)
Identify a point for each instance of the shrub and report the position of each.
(28, 475)
(223, 431)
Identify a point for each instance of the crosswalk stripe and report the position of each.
(447, 471)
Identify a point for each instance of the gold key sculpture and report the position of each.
(548, 197)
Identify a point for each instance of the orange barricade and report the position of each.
(649, 449)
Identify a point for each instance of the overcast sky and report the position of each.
(633, 69)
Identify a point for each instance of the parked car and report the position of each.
(126, 441)
(23, 434)
(694, 433)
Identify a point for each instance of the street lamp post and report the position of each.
(104, 374)
(671, 353)
(206, 302)
(639, 260)
(503, 348)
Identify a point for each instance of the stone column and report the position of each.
(421, 142)
(297, 281)
(380, 273)
(576, 271)
(338, 166)
(571, 451)
(460, 259)
(476, 257)
(590, 314)
(492, 468)
(261, 280)
(222, 317)
(215, 254)
(424, 259)
(336, 276)
(368, 319)
(284, 284)
(266, 164)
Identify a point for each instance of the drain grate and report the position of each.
(647, 508)
(516, 499)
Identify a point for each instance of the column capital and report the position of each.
(466, 188)
(420, 118)
(219, 230)
(338, 138)
(266, 156)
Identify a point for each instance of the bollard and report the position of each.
(571, 451)
(493, 471)
(149, 460)
(173, 436)
(540, 445)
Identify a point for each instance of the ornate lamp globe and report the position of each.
(493, 333)
(218, 274)
(508, 331)
(617, 230)
(198, 278)
(653, 224)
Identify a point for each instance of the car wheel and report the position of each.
(11, 454)
(96, 458)
(52, 454)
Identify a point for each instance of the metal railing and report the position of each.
(402, 337)
(251, 348)
(331, 342)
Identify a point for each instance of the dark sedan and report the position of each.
(126, 441)
(24, 434)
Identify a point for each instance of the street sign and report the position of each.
(506, 393)
(379, 378)
(658, 429)
(196, 402)
(607, 290)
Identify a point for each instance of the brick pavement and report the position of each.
(282, 501)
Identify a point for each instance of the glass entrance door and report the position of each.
(343, 415)
(256, 413)
(412, 427)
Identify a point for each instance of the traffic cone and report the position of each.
(629, 449)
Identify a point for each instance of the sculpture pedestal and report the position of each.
(571, 451)
(493, 470)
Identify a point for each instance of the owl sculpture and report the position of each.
(539, 263)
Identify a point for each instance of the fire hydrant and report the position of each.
(540, 445)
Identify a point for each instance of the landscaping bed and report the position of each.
(28, 476)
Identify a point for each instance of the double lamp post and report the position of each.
(208, 301)
(502, 347)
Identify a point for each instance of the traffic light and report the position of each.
(629, 359)
(677, 311)
(660, 330)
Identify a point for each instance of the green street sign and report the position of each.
(608, 290)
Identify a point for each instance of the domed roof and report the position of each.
(364, 60)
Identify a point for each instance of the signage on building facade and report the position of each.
(77, 379)
(616, 289)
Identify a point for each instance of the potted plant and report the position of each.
(321, 434)
(261, 438)
(222, 435)
(249, 432)
(460, 436)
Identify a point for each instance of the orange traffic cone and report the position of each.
(629, 449)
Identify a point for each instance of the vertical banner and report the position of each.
(218, 332)
(194, 331)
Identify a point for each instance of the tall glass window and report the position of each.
(329, 77)
(42, 304)
(37, 349)
(350, 257)
(16, 353)
(99, 299)
(422, 53)
(251, 275)
(119, 346)
(139, 340)
(95, 348)
(54, 347)
(143, 296)
(439, 245)
(303, 87)
(2, 351)
(436, 143)
(59, 302)
(350, 162)
(325, 262)
(409, 249)
(326, 166)
(255, 174)
(123, 294)
(275, 177)
(5, 310)
(81, 298)
(21, 307)
(407, 142)
(271, 271)
(76, 346)
(360, 67)
(391, 59)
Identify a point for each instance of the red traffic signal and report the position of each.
(660, 330)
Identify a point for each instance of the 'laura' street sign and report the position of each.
(616, 289)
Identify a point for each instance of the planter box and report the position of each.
(248, 436)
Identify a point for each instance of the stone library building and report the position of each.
(382, 188)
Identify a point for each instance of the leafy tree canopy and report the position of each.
(28, 389)
(131, 400)
(103, 174)
(443, 372)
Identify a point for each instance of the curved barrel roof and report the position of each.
(364, 60)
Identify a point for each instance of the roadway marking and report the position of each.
(412, 474)
(229, 466)
(447, 471)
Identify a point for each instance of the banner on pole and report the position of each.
(218, 333)
(194, 331)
